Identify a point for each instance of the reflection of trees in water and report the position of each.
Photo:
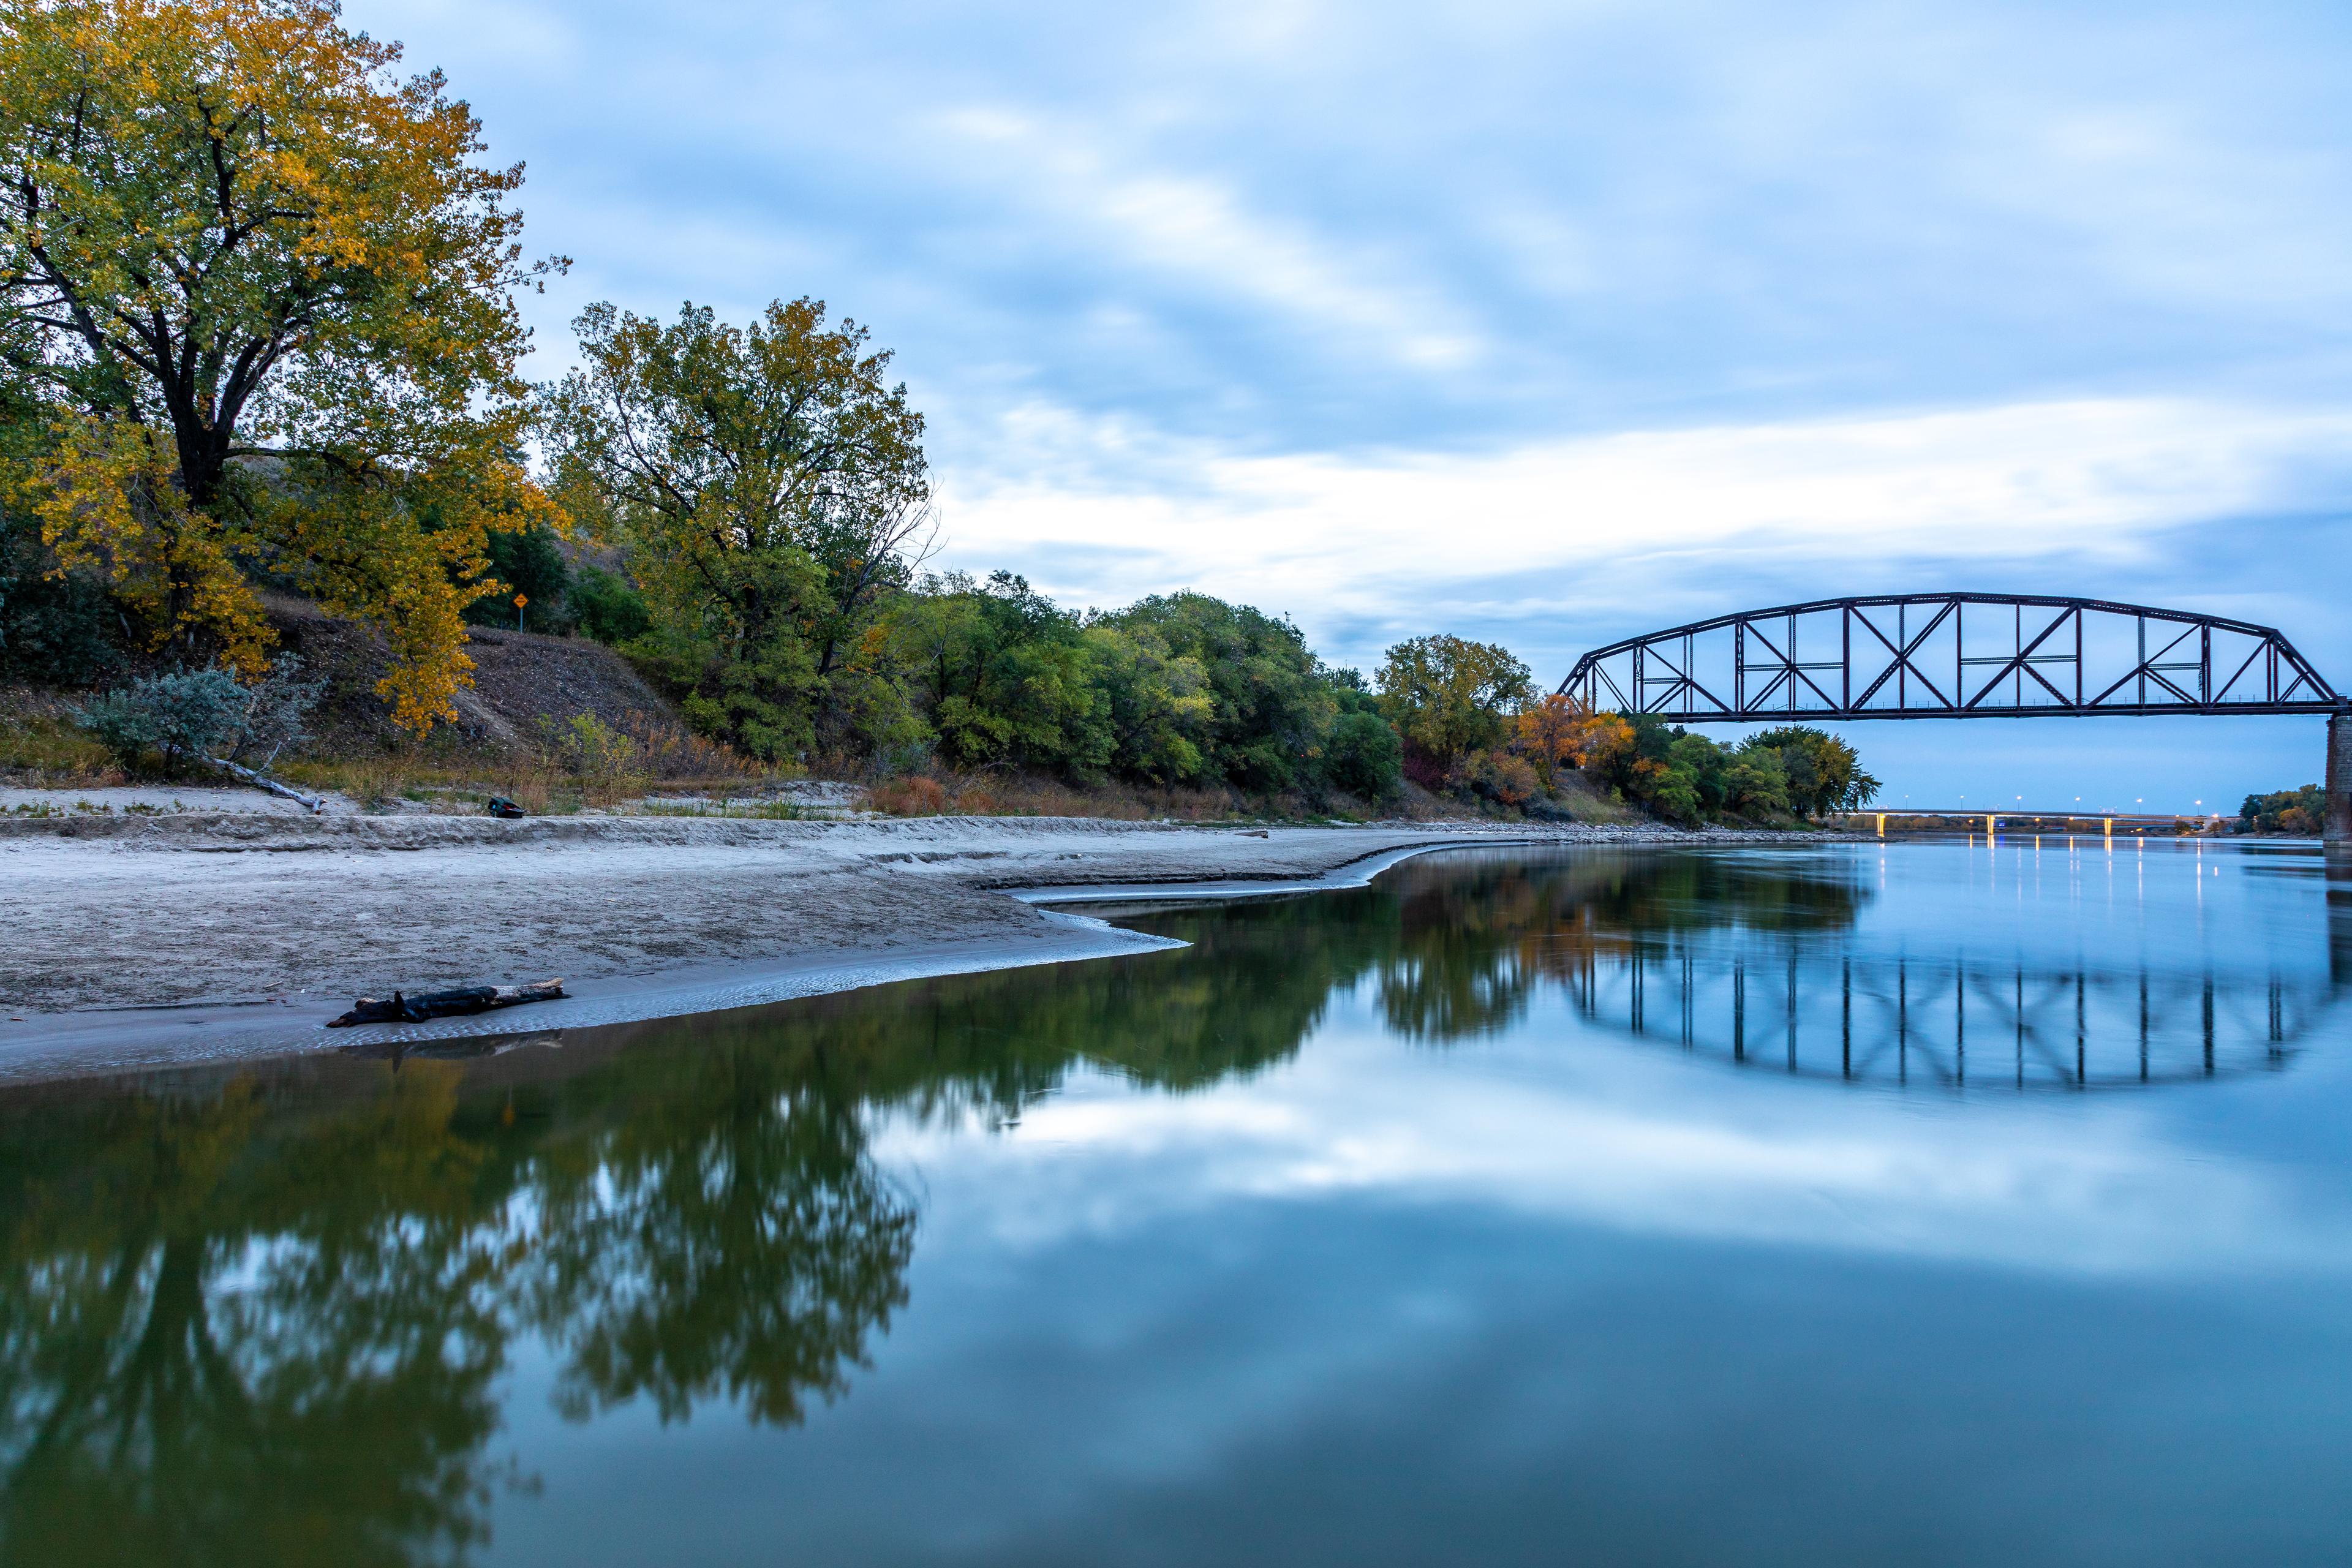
(733, 1242)
(1472, 942)
(263, 1317)
(244, 1333)
(334, 1401)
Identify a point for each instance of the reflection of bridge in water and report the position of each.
(1817, 1010)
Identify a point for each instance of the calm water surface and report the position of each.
(1926, 1203)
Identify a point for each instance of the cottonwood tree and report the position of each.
(769, 483)
(1448, 696)
(261, 294)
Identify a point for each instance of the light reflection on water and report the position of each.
(1918, 1203)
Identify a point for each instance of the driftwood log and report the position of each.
(263, 780)
(401, 1008)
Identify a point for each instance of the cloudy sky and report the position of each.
(1547, 324)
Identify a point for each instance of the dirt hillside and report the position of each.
(520, 678)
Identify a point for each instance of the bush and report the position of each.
(189, 713)
(607, 762)
(1508, 779)
(912, 796)
(193, 713)
(276, 713)
(53, 630)
(1364, 756)
(594, 749)
(606, 607)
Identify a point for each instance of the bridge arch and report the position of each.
(1967, 655)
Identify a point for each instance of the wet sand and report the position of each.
(137, 942)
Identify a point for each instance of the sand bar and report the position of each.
(139, 942)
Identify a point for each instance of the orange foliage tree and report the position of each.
(1558, 731)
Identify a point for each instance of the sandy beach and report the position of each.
(144, 940)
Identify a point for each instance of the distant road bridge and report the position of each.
(2019, 822)
(1967, 655)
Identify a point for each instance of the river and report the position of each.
(1918, 1203)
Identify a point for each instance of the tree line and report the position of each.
(261, 332)
(2297, 813)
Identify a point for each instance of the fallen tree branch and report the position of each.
(400, 1008)
(263, 780)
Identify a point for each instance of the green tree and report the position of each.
(1157, 704)
(1270, 701)
(2300, 813)
(770, 484)
(1823, 772)
(606, 606)
(1005, 677)
(529, 561)
(57, 627)
(1448, 697)
(1364, 756)
(1755, 784)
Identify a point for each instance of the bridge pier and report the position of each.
(2340, 779)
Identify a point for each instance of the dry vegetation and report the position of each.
(997, 794)
(40, 748)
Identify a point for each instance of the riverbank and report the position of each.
(138, 942)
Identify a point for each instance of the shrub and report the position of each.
(606, 607)
(186, 714)
(1364, 756)
(1507, 778)
(57, 630)
(914, 795)
(276, 713)
(594, 749)
(193, 713)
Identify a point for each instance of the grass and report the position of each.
(49, 752)
(771, 810)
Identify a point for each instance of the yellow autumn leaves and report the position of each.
(256, 324)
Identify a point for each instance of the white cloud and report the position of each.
(1196, 229)
(1389, 536)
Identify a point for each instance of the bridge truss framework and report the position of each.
(1952, 656)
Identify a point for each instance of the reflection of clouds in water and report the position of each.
(2173, 971)
(1643, 1145)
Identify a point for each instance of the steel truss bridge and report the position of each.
(1952, 656)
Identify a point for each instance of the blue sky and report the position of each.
(1544, 324)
